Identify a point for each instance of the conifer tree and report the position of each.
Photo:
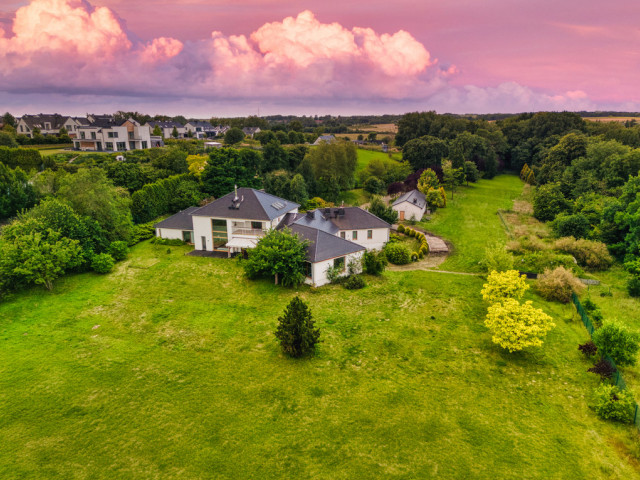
(296, 329)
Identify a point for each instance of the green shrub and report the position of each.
(527, 243)
(497, 258)
(118, 250)
(397, 253)
(576, 225)
(401, 228)
(633, 286)
(618, 343)
(420, 254)
(102, 263)
(354, 282)
(538, 262)
(141, 232)
(174, 242)
(593, 312)
(611, 403)
(415, 256)
(558, 285)
(424, 249)
(374, 262)
(393, 238)
(589, 254)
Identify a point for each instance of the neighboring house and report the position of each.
(325, 139)
(178, 226)
(238, 220)
(411, 205)
(200, 129)
(48, 123)
(221, 130)
(105, 136)
(167, 128)
(72, 124)
(251, 131)
(325, 251)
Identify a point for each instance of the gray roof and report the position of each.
(325, 138)
(37, 121)
(415, 197)
(323, 245)
(251, 205)
(315, 219)
(334, 219)
(199, 123)
(180, 221)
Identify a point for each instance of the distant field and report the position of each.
(611, 119)
(379, 128)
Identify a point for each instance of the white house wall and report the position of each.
(169, 233)
(380, 236)
(410, 210)
(319, 269)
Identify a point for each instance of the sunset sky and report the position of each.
(242, 57)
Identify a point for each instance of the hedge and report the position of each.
(153, 200)
(25, 158)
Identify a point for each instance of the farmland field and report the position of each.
(168, 368)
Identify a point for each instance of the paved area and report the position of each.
(205, 253)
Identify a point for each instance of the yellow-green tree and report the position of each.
(197, 164)
(503, 285)
(515, 326)
(427, 181)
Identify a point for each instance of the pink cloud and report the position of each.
(72, 47)
(161, 49)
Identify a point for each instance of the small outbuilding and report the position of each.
(410, 206)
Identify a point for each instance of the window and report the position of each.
(122, 146)
(82, 135)
(369, 234)
(144, 145)
(219, 231)
(93, 135)
(354, 235)
(256, 225)
(339, 263)
(109, 146)
(343, 235)
(308, 272)
(130, 135)
(111, 134)
(21, 128)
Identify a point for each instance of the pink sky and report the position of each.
(215, 57)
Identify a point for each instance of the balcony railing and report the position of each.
(256, 232)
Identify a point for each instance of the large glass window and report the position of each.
(339, 263)
(122, 146)
(109, 145)
(256, 225)
(219, 231)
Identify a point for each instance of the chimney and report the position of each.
(235, 188)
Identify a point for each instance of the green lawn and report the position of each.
(365, 157)
(168, 368)
(470, 221)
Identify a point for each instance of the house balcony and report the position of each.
(252, 232)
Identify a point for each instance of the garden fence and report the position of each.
(617, 379)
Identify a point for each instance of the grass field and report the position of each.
(611, 119)
(168, 368)
(470, 221)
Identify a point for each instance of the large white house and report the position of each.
(237, 221)
(105, 136)
(411, 205)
